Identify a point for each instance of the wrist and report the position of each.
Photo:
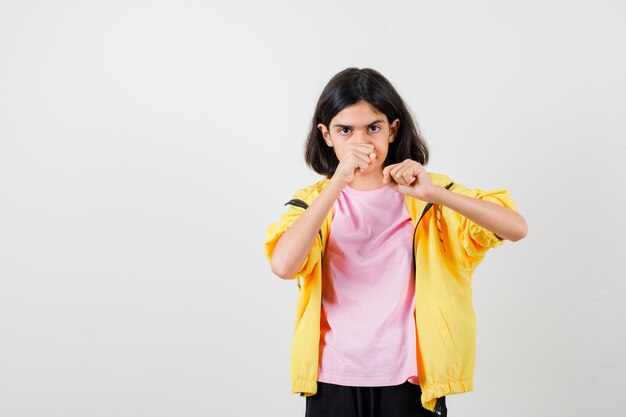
(336, 183)
(438, 195)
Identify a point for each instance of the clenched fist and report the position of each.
(410, 178)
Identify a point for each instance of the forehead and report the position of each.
(361, 112)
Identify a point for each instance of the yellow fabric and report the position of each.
(448, 247)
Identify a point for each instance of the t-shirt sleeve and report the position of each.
(276, 230)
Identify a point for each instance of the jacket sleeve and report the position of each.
(276, 230)
(475, 239)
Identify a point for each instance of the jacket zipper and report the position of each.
(428, 206)
(439, 405)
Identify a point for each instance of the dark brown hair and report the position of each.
(349, 87)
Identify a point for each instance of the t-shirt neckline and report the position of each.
(369, 192)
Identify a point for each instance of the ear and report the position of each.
(325, 134)
(393, 130)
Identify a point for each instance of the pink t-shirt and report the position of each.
(367, 319)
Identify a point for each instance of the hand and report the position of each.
(356, 159)
(410, 178)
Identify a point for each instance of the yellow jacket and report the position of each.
(447, 247)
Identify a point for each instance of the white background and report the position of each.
(146, 145)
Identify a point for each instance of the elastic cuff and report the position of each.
(304, 387)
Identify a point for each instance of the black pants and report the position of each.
(332, 400)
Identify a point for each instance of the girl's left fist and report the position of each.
(410, 178)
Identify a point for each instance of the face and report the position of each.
(361, 123)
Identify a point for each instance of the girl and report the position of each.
(384, 322)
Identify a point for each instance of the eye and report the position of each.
(343, 130)
(377, 128)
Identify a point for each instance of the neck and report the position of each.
(368, 182)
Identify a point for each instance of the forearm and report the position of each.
(502, 221)
(295, 244)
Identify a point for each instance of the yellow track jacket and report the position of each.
(447, 247)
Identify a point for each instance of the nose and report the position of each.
(359, 137)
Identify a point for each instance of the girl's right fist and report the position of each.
(356, 159)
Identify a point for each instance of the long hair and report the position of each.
(349, 87)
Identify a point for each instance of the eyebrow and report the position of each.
(348, 126)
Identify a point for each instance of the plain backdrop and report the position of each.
(145, 146)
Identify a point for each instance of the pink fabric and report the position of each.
(367, 322)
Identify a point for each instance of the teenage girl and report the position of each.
(384, 323)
